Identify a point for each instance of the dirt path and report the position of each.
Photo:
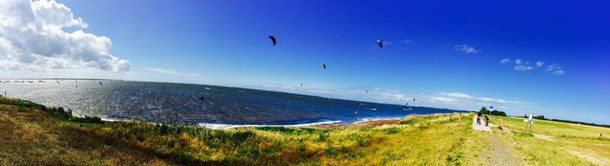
(499, 153)
(481, 126)
(496, 151)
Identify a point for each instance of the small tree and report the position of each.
(484, 110)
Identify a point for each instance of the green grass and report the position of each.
(33, 135)
(561, 143)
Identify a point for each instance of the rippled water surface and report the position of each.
(172, 102)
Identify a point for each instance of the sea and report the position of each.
(206, 105)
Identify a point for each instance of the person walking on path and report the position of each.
(479, 118)
(486, 120)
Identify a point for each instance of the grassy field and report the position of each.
(33, 135)
(558, 143)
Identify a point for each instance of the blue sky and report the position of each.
(450, 54)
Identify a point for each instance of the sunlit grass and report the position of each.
(562, 143)
(30, 131)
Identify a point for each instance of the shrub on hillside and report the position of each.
(87, 119)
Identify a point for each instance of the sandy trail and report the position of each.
(497, 152)
(482, 126)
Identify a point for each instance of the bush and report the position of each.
(391, 130)
(60, 112)
(407, 122)
(87, 119)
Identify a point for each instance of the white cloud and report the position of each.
(456, 94)
(466, 49)
(518, 61)
(450, 100)
(558, 72)
(521, 65)
(555, 69)
(552, 67)
(32, 38)
(523, 68)
(505, 60)
(171, 72)
(539, 63)
(443, 99)
(462, 95)
(395, 96)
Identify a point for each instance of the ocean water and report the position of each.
(174, 102)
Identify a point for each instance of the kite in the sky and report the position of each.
(380, 43)
(272, 39)
(323, 65)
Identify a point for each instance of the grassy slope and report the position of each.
(566, 143)
(31, 136)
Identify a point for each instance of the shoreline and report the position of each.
(332, 123)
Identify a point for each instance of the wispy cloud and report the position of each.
(539, 63)
(463, 95)
(521, 65)
(505, 60)
(523, 68)
(451, 100)
(171, 72)
(518, 61)
(558, 72)
(466, 49)
(443, 99)
(555, 69)
(457, 94)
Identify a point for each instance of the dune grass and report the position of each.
(33, 135)
(558, 143)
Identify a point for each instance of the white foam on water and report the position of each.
(375, 119)
(229, 126)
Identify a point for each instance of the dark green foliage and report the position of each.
(391, 130)
(60, 112)
(499, 113)
(322, 137)
(19, 102)
(407, 122)
(163, 130)
(539, 117)
(241, 136)
(484, 110)
(87, 119)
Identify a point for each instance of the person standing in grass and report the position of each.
(460, 119)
